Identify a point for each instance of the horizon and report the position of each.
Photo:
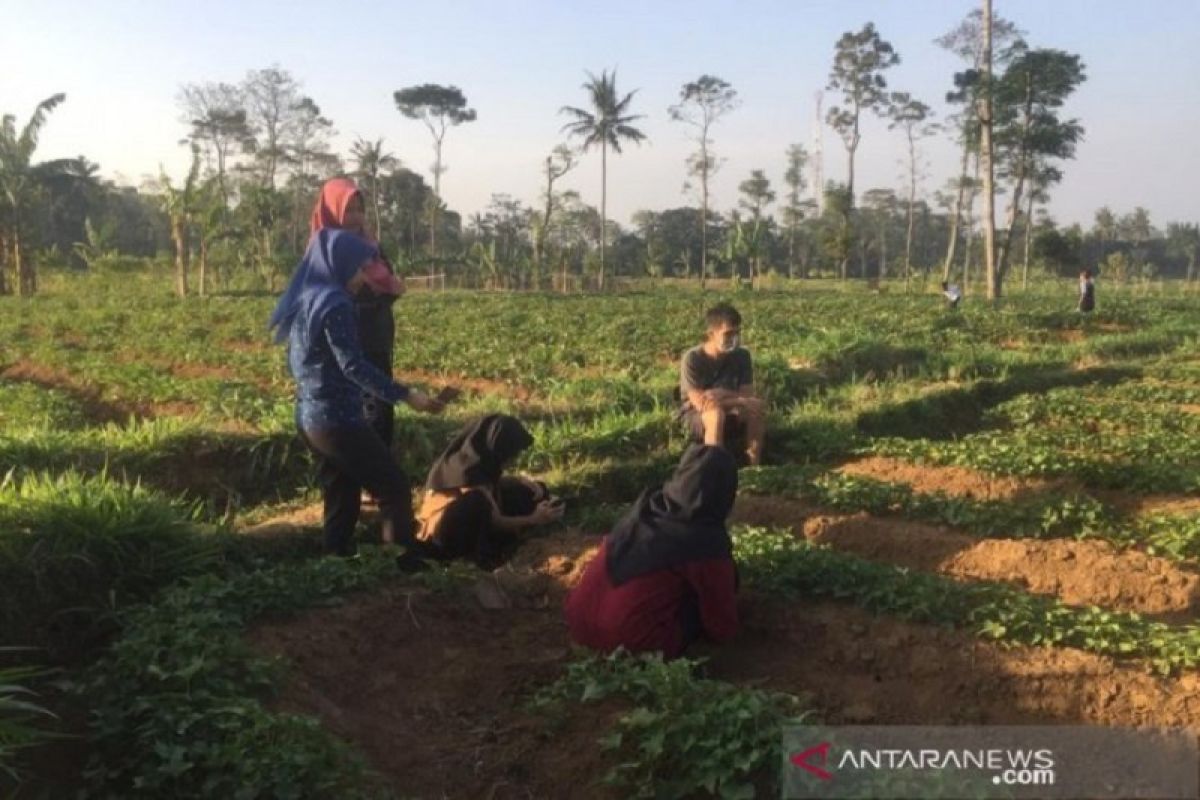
(1132, 105)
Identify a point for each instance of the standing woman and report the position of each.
(1087, 292)
(340, 206)
(316, 316)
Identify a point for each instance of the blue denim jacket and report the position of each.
(332, 374)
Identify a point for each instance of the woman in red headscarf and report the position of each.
(340, 205)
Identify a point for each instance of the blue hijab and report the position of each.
(319, 283)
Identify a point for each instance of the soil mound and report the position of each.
(1077, 572)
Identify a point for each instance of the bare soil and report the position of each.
(1080, 573)
(953, 481)
(976, 485)
(865, 669)
(433, 688)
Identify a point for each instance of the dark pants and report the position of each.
(690, 623)
(466, 530)
(352, 459)
(381, 417)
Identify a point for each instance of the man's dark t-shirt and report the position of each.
(698, 372)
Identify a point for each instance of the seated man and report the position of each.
(716, 385)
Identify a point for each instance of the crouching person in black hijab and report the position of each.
(471, 509)
(665, 576)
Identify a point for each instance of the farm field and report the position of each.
(982, 516)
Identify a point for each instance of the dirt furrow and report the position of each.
(860, 668)
(432, 688)
(1080, 573)
(952, 481)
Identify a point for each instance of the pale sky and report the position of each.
(121, 63)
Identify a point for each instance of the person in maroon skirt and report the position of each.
(665, 576)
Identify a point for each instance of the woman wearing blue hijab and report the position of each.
(316, 317)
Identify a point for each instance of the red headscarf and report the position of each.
(330, 212)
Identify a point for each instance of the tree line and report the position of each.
(261, 148)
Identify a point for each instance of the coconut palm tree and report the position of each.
(606, 125)
(370, 162)
(20, 180)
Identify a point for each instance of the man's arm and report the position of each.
(690, 383)
(699, 399)
(746, 377)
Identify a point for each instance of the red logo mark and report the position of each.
(822, 750)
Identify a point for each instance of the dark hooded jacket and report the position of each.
(477, 454)
(666, 574)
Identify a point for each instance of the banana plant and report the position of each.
(179, 205)
(484, 256)
(21, 181)
(99, 244)
(747, 243)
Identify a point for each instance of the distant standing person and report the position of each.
(1087, 292)
(716, 386)
(316, 316)
(952, 293)
(340, 206)
(665, 576)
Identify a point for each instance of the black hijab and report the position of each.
(680, 522)
(477, 453)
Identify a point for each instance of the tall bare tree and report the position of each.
(859, 62)
(966, 42)
(273, 105)
(912, 117)
(308, 154)
(756, 196)
(702, 103)
(1030, 130)
(1039, 186)
(439, 107)
(560, 161)
(986, 167)
(216, 117)
(882, 204)
(793, 212)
